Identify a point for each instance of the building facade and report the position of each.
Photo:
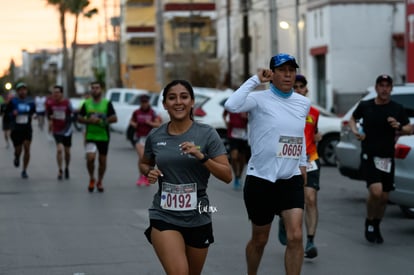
(165, 40)
(341, 46)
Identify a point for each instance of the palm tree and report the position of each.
(62, 8)
(77, 8)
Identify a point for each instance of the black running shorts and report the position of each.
(264, 199)
(198, 237)
(373, 175)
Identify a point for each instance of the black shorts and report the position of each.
(6, 124)
(240, 145)
(65, 140)
(102, 146)
(264, 199)
(198, 237)
(372, 174)
(313, 177)
(19, 136)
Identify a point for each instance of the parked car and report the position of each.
(348, 149)
(403, 195)
(123, 95)
(208, 108)
(126, 111)
(121, 100)
(329, 125)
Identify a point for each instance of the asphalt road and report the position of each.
(51, 227)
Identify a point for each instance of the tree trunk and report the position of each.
(62, 20)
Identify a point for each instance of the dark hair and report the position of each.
(144, 98)
(176, 82)
(58, 87)
(301, 78)
(96, 83)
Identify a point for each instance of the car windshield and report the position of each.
(407, 100)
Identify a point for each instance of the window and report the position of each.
(115, 97)
(189, 40)
(407, 101)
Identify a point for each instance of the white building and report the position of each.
(341, 46)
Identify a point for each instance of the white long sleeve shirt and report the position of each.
(276, 130)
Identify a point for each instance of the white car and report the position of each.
(208, 109)
(348, 150)
(329, 125)
(403, 195)
(124, 109)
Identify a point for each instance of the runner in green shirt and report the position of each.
(97, 113)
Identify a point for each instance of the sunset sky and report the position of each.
(33, 24)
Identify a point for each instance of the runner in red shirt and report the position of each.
(143, 120)
(239, 148)
(59, 113)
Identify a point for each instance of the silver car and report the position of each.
(348, 149)
(403, 195)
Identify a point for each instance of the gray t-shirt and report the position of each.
(178, 168)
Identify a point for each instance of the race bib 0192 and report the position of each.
(178, 197)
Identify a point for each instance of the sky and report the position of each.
(33, 25)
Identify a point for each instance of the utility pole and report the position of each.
(229, 68)
(273, 28)
(160, 42)
(246, 41)
(298, 55)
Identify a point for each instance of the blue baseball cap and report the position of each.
(282, 58)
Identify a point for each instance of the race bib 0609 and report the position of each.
(178, 197)
(289, 147)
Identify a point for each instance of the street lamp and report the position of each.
(8, 86)
(284, 25)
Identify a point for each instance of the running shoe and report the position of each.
(66, 173)
(16, 161)
(236, 183)
(24, 174)
(282, 232)
(99, 187)
(91, 185)
(379, 239)
(142, 180)
(310, 251)
(146, 181)
(60, 176)
(370, 233)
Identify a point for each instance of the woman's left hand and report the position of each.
(190, 148)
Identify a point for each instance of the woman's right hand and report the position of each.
(153, 175)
